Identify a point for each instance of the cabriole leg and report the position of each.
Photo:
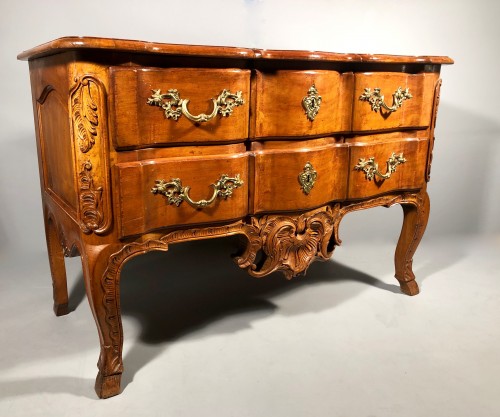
(102, 286)
(414, 223)
(57, 268)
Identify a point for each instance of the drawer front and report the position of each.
(138, 124)
(374, 91)
(280, 111)
(141, 210)
(283, 177)
(369, 164)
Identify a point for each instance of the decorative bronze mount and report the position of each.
(307, 178)
(376, 99)
(370, 167)
(311, 103)
(175, 106)
(176, 193)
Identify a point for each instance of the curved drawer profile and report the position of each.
(283, 98)
(387, 100)
(185, 190)
(152, 106)
(378, 168)
(299, 175)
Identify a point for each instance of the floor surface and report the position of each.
(204, 339)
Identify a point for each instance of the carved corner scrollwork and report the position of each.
(90, 200)
(88, 106)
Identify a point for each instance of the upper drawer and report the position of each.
(388, 100)
(283, 96)
(166, 119)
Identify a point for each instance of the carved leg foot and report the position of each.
(101, 276)
(57, 269)
(107, 386)
(416, 214)
(409, 287)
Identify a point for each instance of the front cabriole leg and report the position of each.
(102, 285)
(416, 215)
(102, 267)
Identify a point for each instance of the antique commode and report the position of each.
(145, 144)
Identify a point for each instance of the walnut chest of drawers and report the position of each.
(141, 145)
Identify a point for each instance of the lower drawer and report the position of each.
(164, 192)
(378, 168)
(299, 175)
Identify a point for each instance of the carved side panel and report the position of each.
(90, 136)
(55, 147)
(437, 92)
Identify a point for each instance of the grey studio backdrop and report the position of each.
(465, 182)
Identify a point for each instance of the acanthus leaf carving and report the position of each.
(290, 243)
(85, 114)
(87, 102)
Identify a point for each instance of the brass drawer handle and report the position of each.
(370, 167)
(176, 193)
(376, 99)
(311, 103)
(175, 106)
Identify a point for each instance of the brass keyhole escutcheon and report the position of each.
(307, 178)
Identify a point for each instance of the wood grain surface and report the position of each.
(277, 187)
(414, 112)
(133, 46)
(409, 175)
(142, 211)
(279, 111)
(137, 124)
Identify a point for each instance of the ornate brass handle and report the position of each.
(370, 167)
(176, 193)
(376, 99)
(175, 106)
